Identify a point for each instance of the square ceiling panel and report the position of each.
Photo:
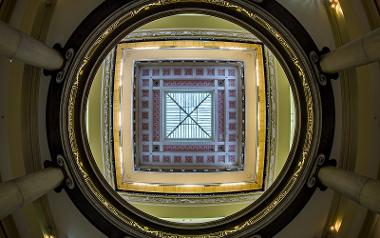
(189, 116)
(146, 160)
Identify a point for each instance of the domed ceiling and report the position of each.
(185, 131)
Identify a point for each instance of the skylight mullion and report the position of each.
(191, 104)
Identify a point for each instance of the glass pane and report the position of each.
(188, 115)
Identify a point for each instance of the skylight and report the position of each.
(188, 115)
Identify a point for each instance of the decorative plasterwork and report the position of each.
(106, 117)
(172, 34)
(187, 199)
(164, 144)
(248, 179)
(271, 105)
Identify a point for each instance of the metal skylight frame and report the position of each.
(197, 136)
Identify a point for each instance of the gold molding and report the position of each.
(279, 197)
(254, 155)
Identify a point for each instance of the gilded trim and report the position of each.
(253, 154)
(191, 35)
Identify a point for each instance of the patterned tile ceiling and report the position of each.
(189, 116)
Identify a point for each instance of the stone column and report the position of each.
(358, 52)
(20, 191)
(364, 190)
(15, 44)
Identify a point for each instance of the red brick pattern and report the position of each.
(189, 83)
(145, 83)
(188, 148)
(221, 72)
(221, 115)
(156, 115)
(189, 71)
(155, 72)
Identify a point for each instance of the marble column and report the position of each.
(363, 190)
(15, 44)
(20, 191)
(358, 52)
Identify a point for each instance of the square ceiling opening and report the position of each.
(189, 116)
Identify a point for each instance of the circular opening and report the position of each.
(152, 80)
(151, 117)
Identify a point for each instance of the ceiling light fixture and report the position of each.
(233, 184)
(232, 48)
(147, 48)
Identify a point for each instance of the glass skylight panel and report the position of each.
(188, 115)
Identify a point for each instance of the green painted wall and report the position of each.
(191, 21)
(193, 211)
(94, 106)
(283, 118)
